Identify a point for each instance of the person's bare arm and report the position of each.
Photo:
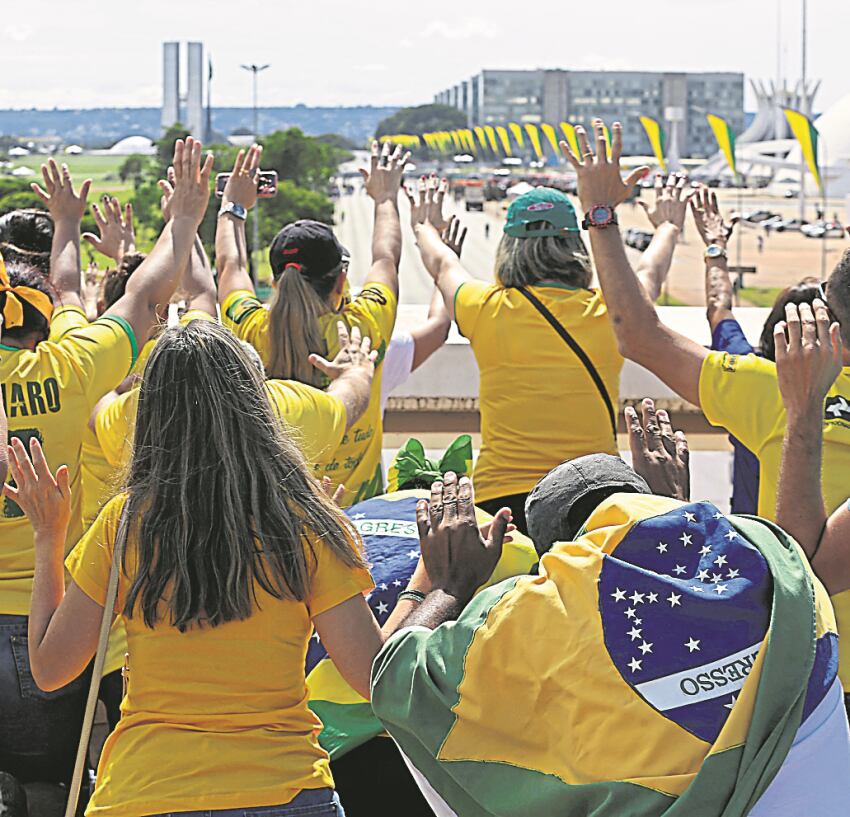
(4, 433)
(808, 359)
(382, 182)
(667, 216)
(231, 246)
(431, 335)
(156, 279)
(66, 207)
(641, 336)
(351, 372)
(713, 230)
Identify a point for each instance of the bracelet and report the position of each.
(412, 595)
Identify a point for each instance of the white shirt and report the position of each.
(398, 364)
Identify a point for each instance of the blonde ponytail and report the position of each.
(294, 331)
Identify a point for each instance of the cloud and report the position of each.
(18, 32)
(372, 67)
(469, 29)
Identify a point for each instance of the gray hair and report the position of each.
(527, 261)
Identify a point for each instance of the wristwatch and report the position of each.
(714, 251)
(234, 209)
(600, 215)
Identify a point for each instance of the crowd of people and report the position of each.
(197, 525)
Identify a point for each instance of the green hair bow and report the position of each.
(412, 469)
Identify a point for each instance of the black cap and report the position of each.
(554, 510)
(310, 244)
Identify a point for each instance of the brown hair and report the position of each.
(527, 261)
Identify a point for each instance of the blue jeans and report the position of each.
(39, 731)
(309, 803)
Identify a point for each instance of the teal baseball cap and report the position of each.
(541, 204)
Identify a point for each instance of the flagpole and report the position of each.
(823, 175)
(803, 105)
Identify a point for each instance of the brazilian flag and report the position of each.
(660, 664)
(387, 525)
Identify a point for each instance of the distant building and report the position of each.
(195, 114)
(678, 100)
(170, 84)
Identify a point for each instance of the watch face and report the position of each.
(600, 215)
(713, 251)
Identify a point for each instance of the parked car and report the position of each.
(823, 229)
(786, 224)
(638, 239)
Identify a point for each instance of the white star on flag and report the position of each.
(697, 589)
(720, 560)
(652, 598)
(662, 548)
(685, 539)
(630, 613)
(703, 575)
(382, 586)
(679, 570)
(645, 648)
(674, 599)
(693, 644)
(634, 633)
(359, 516)
(618, 595)
(412, 554)
(690, 517)
(382, 608)
(731, 535)
(730, 705)
(733, 574)
(637, 621)
(704, 550)
(636, 598)
(634, 664)
(720, 589)
(718, 515)
(316, 636)
(716, 577)
(397, 583)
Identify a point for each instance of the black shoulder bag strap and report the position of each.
(579, 353)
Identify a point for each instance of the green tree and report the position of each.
(422, 119)
(132, 167)
(298, 158)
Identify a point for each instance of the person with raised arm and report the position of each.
(310, 269)
(49, 390)
(737, 392)
(543, 330)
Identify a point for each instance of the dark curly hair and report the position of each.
(114, 283)
(34, 321)
(30, 230)
(804, 292)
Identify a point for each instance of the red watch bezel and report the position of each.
(589, 222)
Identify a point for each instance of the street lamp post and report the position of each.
(255, 69)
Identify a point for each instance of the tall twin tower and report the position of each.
(187, 109)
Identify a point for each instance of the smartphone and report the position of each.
(266, 187)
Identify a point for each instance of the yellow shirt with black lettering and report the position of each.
(539, 406)
(740, 393)
(214, 717)
(357, 461)
(49, 394)
(315, 420)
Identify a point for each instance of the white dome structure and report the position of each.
(132, 145)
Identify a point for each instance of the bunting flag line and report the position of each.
(725, 139)
(516, 131)
(552, 138)
(469, 139)
(482, 137)
(656, 140)
(490, 133)
(570, 137)
(502, 133)
(534, 136)
(807, 135)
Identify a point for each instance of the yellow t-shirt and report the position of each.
(216, 717)
(315, 419)
(64, 320)
(49, 394)
(357, 462)
(539, 406)
(741, 394)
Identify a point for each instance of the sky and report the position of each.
(82, 53)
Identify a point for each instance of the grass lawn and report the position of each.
(759, 296)
(665, 299)
(102, 170)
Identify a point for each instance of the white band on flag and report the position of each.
(386, 527)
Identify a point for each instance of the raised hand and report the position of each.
(58, 195)
(453, 237)
(660, 456)
(383, 179)
(166, 185)
(599, 179)
(671, 201)
(709, 222)
(46, 501)
(457, 558)
(808, 357)
(241, 187)
(191, 181)
(355, 355)
(428, 207)
(116, 236)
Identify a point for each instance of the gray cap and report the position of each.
(554, 510)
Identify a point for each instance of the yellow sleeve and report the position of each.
(374, 309)
(90, 562)
(195, 315)
(64, 320)
(245, 316)
(114, 427)
(741, 394)
(103, 352)
(334, 582)
(470, 297)
(317, 419)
